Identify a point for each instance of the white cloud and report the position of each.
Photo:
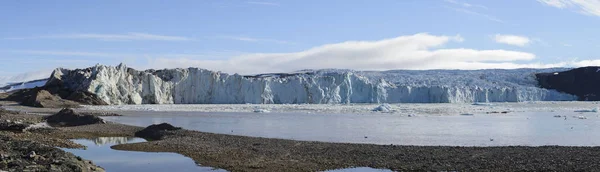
(419, 51)
(585, 63)
(466, 11)
(515, 40)
(134, 36)
(464, 4)
(262, 3)
(589, 7)
(567, 45)
(555, 3)
(251, 39)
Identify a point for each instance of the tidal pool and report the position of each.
(99, 152)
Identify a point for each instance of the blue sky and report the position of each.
(278, 36)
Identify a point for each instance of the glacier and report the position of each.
(119, 85)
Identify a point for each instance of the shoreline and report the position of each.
(243, 153)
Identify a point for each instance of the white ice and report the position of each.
(122, 85)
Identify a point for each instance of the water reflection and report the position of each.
(99, 151)
(115, 140)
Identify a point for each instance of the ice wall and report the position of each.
(122, 85)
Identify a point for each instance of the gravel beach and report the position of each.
(239, 153)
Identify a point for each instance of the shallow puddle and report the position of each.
(99, 151)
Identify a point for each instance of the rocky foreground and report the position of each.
(24, 146)
(33, 149)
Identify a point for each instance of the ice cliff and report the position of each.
(123, 85)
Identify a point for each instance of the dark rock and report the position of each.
(156, 131)
(582, 82)
(44, 99)
(13, 126)
(67, 117)
(86, 98)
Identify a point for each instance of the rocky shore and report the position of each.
(25, 148)
(240, 153)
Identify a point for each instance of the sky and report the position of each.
(260, 36)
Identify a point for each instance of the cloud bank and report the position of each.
(419, 51)
(589, 7)
(515, 40)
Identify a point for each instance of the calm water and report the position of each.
(99, 152)
(531, 129)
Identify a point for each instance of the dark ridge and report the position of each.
(583, 82)
(56, 94)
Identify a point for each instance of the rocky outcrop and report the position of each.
(53, 95)
(583, 82)
(68, 117)
(123, 85)
(43, 99)
(157, 131)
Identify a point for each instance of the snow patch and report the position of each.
(482, 104)
(23, 85)
(38, 126)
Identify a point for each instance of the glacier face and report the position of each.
(123, 85)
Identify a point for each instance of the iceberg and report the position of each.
(591, 110)
(119, 85)
(383, 108)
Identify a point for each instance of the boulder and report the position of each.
(13, 126)
(157, 131)
(68, 117)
